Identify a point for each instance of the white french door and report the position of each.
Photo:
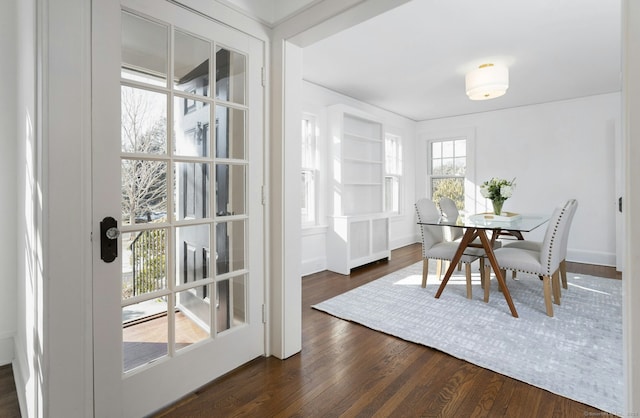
(177, 178)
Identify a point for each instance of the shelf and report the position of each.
(361, 161)
(361, 137)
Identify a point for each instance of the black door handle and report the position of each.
(620, 204)
(109, 234)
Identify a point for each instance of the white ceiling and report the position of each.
(412, 60)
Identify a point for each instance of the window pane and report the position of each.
(191, 64)
(447, 149)
(193, 316)
(392, 194)
(436, 149)
(192, 245)
(308, 197)
(230, 133)
(191, 191)
(144, 262)
(437, 167)
(143, 121)
(230, 76)
(447, 166)
(191, 127)
(452, 188)
(461, 148)
(230, 189)
(145, 333)
(144, 191)
(144, 50)
(460, 166)
(230, 240)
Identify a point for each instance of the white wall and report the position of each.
(316, 99)
(8, 214)
(556, 151)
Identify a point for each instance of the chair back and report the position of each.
(571, 206)
(550, 254)
(431, 234)
(450, 213)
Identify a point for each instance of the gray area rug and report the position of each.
(576, 354)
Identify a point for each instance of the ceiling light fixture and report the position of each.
(487, 82)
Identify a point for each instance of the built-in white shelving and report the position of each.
(359, 228)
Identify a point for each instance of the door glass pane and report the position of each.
(144, 191)
(191, 63)
(144, 333)
(231, 303)
(144, 121)
(144, 50)
(239, 300)
(144, 262)
(230, 189)
(230, 132)
(191, 127)
(192, 245)
(191, 192)
(230, 76)
(193, 316)
(230, 244)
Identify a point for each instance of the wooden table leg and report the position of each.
(496, 268)
(468, 237)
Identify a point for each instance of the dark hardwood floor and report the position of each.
(9, 407)
(348, 370)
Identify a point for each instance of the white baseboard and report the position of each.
(591, 257)
(313, 265)
(404, 241)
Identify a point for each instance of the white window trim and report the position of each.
(474, 202)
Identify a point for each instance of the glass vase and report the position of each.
(497, 206)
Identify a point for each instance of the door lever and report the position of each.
(109, 234)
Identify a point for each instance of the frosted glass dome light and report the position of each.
(487, 82)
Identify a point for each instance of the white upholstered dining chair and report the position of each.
(571, 206)
(435, 247)
(451, 213)
(544, 263)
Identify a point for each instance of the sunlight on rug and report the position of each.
(576, 354)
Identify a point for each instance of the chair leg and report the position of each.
(425, 271)
(513, 274)
(546, 285)
(467, 269)
(487, 282)
(439, 269)
(563, 273)
(459, 265)
(555, 284)
(482, 275)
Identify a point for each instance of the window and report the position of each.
(309, 171)
(393, 173)
(447, 170)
